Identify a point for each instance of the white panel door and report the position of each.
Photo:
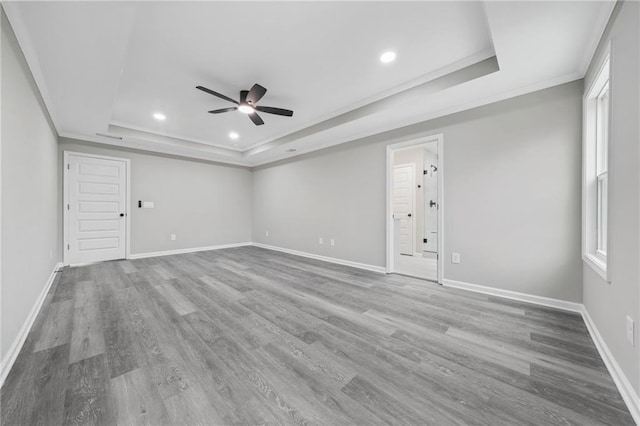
(403, 192)
(96, 208)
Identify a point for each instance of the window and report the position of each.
(596, 176)
(602, 147)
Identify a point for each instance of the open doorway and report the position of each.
(414, 207)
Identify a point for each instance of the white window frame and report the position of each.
(595, 184)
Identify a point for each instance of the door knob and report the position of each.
(432, 203)
(121, 214)
(409, 214)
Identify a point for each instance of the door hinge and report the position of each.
(68, 166)
(67, 206)
(425, 172)
(68, 247)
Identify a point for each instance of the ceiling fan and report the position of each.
(247, 104)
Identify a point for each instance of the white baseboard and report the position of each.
(373, 268)
(514, 295)
(187, 250)
(622, 383)
(16, 346)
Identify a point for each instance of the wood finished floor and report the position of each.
(251, 336)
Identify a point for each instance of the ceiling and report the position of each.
(104, 68)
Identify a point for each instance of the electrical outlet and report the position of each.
(266, 233)
(630, 331)
(320, 240)
(332, 242)
(173, 237)
(455, 257)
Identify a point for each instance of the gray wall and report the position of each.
(204, 204)
(608, 304)
(511, 202)
(29, 192)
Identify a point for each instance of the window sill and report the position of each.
(597, 265)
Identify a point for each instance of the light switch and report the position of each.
(147, 204)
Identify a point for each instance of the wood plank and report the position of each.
(118, 334)
(50, 384)
(383, 405)
(88, 399)
(177, 301)
(87, 339)
(136, 401)
(154, 347)
(65, 289)
(127, 266)
(227, 291)
(56, 329)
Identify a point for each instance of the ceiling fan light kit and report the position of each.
(247, 104)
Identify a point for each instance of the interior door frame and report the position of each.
(439, 139)
(65, 200)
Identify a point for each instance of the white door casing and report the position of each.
(431, 205)
(96, 207)
(392, 223)
(403, 205)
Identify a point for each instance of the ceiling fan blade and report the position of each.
(243, 96)
(256, 119)
(256, 93)
(218, 111)
(211, 92)
(273, 110)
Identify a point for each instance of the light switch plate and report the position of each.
(320, 240)
(631, 331)
(147, 204)
(332, 242)
(455, 257)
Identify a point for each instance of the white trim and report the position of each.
(604, 63)
(16, 346)
(372, 268)
(625, 388)
(154, 148)
(65, 201)
(514, 295)
(596, 264)
(169, 135)
(440, 254)
(437, 138)
(187, 250)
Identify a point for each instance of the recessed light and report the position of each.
(387, 57)
(246, 109)
(159, 116)
(233, 135)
